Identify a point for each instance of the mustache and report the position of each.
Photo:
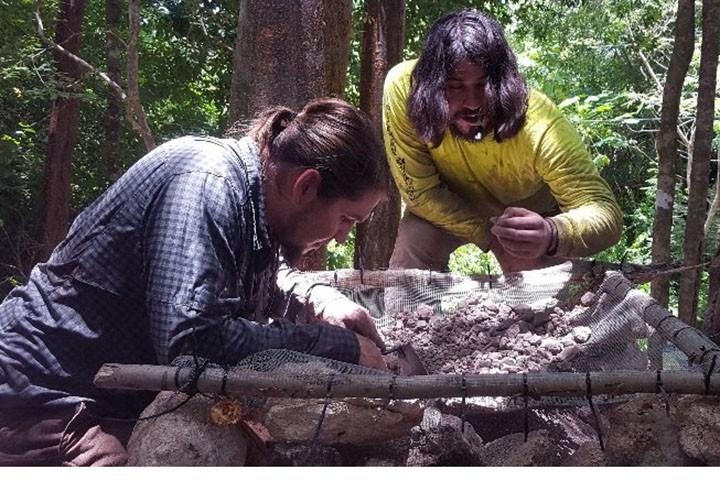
(481, 112)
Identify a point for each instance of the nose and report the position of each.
(342, 233)
(473, 98)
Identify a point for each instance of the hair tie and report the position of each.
(284, 123)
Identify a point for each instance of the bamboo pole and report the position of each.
(321, 385)
(691, 341)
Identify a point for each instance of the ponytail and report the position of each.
(269, 124)
(330, 136)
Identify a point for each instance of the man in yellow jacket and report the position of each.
(479, 157)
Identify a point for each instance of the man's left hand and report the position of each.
(345, 313)
(523, 233)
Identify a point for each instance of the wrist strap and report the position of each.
(554, 241)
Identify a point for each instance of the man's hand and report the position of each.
(523, 233)
(370, 355)
(345, 313)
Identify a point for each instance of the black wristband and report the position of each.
(554, 241)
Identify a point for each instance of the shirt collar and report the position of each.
(250, 157)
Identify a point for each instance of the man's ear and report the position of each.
(305, 186)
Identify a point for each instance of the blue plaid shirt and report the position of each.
(174, 258)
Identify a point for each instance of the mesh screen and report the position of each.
(618, 339)
(616, 322)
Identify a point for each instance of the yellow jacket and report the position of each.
(460, 184)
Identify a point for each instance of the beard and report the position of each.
(291, 253)
(475, 137)
(477, 132)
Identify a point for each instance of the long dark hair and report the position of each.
(331, 136)
(458, 36)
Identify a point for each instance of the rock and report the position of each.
(699, 422)
(186, 436)
(568, 353)
(587, 299)
(424, 311)
(586, 455)
(541, 318)
(440, 441)
(523, 313)
(552, 345)
(641, 433)
(581, 334)
(512, 450)
(282, 455)
(353, 421)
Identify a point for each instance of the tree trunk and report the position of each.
(382, 43)
(111, 121)
(55, 206)
(136, 114)
(699, 181)
(287, 53)
(667, 142)
(712, 314)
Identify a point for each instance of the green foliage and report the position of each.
(470, 260)
(584, 54)
(340, 255)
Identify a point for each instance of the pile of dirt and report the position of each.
(482, 336)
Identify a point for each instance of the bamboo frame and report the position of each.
(698, 348)
(692, 342)
(262, 384)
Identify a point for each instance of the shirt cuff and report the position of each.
(564, 237)
(337, 343)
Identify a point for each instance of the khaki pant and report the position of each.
(69, 437)
(422, 245)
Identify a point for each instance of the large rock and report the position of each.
(512, 450)
(352, 421)
(699, 422)
(293, 455)
(441, 441)
(186, 436)
(641, 433)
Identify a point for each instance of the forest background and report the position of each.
(178, 69)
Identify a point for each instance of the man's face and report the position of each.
(322, 221)
(466, 95)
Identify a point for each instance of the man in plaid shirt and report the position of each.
(180, 256)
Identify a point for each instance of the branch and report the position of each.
(651, 72)
(134, 111)
(117, 89)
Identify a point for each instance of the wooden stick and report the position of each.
(636, 273)
(282, 384)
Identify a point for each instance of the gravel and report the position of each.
(482, 336)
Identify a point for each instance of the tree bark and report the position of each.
(667, 143)
(712, 314)
(287, 53)
(55, 206)
(382, 43)
(111, 121)
(699, 180)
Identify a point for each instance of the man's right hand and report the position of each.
(370, 355)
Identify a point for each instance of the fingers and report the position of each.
(370, 355)
(517, 235)
(365, 326)
(519, 218)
